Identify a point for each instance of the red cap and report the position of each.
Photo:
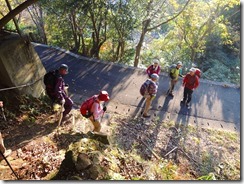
(103, 96)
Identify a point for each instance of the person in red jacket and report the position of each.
(190, 83)
(154, 68)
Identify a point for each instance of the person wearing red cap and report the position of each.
(97, 109)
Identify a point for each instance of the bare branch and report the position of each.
(172, 18)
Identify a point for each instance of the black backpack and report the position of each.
(50, 79)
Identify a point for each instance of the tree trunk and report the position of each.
(139, 45)
(83, 46)
(76, 47)
(116, 58)
(15, 12)
(122, 50)
(193, 55)
(14, 19)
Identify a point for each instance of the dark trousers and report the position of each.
(187, 95)
(67, 105)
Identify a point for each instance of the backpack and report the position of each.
(50, 79)
(144, 87)
(198, 72)
(86, 106)
(170, 68)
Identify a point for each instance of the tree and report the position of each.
(98, 13)
(194, 30)
(156, 13)
(122, 24)
(36, 13)
(5, 19)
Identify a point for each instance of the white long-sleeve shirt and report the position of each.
(97, 110)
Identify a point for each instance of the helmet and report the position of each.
(193, 70)
(64, 66)
(103, 96)
(179, 63)
(154, 76)
(155, 61)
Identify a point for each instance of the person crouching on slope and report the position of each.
(190, 83)
(148, 90)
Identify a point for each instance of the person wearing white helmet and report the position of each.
(148, 90)
(154, 68)
(174, 74)
(190, 83)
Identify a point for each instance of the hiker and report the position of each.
(93, 109)
(3, 150)
(57, 92)
(148, 90)
(190, 83)
(174, 74)
(154, 68)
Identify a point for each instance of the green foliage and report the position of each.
(207, 33)
(210, 176)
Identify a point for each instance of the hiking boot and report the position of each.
(146, 116)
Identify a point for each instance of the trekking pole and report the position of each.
(9, 164)
(61, 114)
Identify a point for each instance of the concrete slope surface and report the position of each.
(213, 105)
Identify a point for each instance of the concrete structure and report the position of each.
(20, 65)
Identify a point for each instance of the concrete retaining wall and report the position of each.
(20, 65)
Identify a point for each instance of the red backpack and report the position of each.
(198, 72)
(86, 106)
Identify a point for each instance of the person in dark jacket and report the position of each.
(59, 94)
(190, 83)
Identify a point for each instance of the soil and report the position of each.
(39, 146)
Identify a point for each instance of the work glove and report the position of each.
(104, 108)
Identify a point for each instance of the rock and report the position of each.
(83, 162)
(66, 167)
(103, 138)
(96, 157)
(94, 171)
